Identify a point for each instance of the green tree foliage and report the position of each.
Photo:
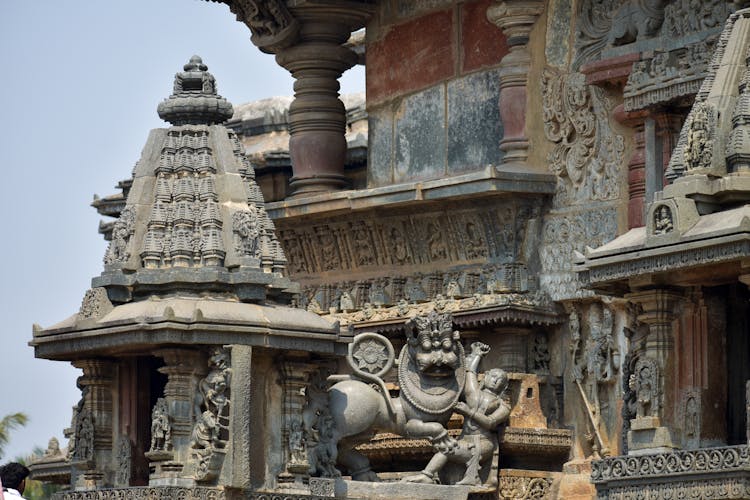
(7, 424)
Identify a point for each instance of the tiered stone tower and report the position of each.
(187, 338)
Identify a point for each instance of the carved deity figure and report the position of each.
(53, 449)
(245, 228)
(484, 409)
(84, 441)
(297, 443)
(161, 428)
(698, 150)
(121, 233)
(663, 220)
(541, 354)
(645, 382)
(212, 415)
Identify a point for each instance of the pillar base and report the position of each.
(647, 437)
(316, 184)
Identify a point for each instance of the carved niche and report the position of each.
(587, 155)
(663, 220)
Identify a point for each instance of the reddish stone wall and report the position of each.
(408, 55)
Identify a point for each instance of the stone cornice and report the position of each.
(488, 182)
(607, 271)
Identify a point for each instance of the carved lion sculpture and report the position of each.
(431, 376)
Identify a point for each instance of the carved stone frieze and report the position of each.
(588, 155)
(524, 487)
(682, 17)
(729, 488)
(563, 235)
(367, 244)
(603, 24)
(668, 75)
(145, 493)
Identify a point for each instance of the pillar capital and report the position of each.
(659, 306)
(308, 39)
(516, 18)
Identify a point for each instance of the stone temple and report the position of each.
(517, 267)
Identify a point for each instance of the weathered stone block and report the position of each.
(474, 124)
(420, 140)
(482, 43)
(380, 147)
(426, 55)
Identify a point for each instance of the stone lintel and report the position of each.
(610, 71)
(490, 182)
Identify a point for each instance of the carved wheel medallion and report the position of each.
(434, 396)
(372, 354)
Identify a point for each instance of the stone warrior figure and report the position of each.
(483, 408)
(161, 429)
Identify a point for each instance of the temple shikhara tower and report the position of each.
(516, 267)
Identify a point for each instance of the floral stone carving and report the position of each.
(587, 154)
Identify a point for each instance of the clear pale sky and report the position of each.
(82, 79)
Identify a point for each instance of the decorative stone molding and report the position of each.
(604, 24)
(677, 463)
(680, 259)
(145, 493)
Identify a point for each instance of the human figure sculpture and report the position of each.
(161, 429)
(484, 410)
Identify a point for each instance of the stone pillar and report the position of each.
(654, 374)
(511, 349)
(295, 377)
(636, 165)
(96, 385)
(184, 368)
(515, 18)
(307, 37)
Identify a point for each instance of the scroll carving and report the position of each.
(587, 154)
